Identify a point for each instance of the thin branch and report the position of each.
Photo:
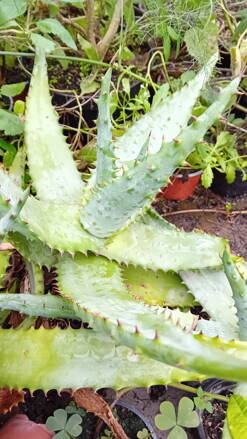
(72, 24)
(104, 44)
(221, 211)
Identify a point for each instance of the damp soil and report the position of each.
(185, 215)
(213, 422)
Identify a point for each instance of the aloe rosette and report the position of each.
(120, 267)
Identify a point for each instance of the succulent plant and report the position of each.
(109, 249)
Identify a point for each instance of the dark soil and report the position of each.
(213, 422)
(232, 227)
(38, 406)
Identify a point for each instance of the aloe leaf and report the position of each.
(39, 305)
(58, 359)
(33, 249)
(158, 123)
(9, 189)
(211, 288)
(6, 221)
(50, 306)
(36, 278)
(105, 156)
(51, 165)
(239, 288)
(151, 242)
(114, 206)
(156, 288)
(95, 285)
(213, 329)
(49, 222)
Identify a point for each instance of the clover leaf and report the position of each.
(186, 417)
(67, 428)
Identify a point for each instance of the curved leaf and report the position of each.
(95, 285)
(81, 358)
(51, 165)
(212, 289)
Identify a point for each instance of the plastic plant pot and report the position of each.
(179, 188)
(131, 419)
(213, 386)
(221, 187)
(20, 427)
(139, 414)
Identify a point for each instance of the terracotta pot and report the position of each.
(178, 189)
(20, 427)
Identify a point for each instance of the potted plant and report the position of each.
(224, 169)
(219, 166)
(102, 232)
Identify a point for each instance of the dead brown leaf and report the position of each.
(94, 403)
(10, 399)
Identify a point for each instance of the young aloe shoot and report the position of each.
(168, 420)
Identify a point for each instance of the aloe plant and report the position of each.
(117, 262)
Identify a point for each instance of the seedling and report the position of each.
(202, 401)
(143, 434)
(67, 428)
(168, 420)
(72, 408)
(107, 434)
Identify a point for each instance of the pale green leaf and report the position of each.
(74, 359)
(57, 421)
(42, 43)
(156, 287)
(12, 89)
(72, 426)
(202, 42)
(53, 26)
(89, 50)
(167, 418)
(10, 9)
(207, 177)
(212, 290)
(10, 123)
(187, 416)
(177, 433)
(52, 168)
(237, 417)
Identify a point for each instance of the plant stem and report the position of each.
(83, 60)
(91, 22)
(104, 44)
(227, 17)
(194, 390)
